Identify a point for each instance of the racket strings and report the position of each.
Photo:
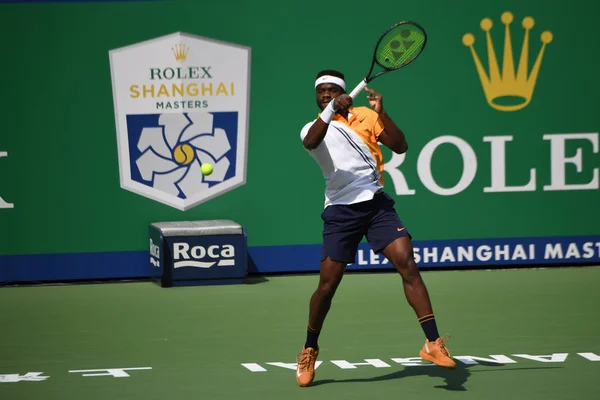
(399, 46)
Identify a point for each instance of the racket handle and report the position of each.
(359, 88)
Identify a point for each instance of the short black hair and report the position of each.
(331, 72)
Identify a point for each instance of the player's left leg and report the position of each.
(389, 236)
(400, 254)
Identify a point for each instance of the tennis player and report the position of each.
(343, 140)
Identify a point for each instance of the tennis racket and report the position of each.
(399, 45)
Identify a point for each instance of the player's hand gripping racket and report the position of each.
(396, 48)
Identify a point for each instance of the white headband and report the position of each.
(330, 79)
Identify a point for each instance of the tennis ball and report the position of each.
(206, 169)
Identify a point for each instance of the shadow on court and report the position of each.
(253, 280)
(454, 379)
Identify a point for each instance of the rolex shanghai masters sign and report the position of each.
(181, 101)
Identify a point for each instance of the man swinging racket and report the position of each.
(343, 140)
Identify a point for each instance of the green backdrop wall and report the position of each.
(63, 209)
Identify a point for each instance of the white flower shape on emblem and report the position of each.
(173, 153)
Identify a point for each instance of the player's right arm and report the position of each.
(316, 134)
(318, 130)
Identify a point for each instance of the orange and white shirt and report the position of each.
(350, 157)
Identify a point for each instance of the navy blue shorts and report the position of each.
(345, 226)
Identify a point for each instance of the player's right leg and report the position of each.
(343, 231)
(320, 303)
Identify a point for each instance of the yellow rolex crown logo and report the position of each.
(515, 87)
(181, 52)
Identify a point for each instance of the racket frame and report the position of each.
(360, 87)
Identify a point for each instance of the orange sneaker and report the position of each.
(437, 353)
(305, 371)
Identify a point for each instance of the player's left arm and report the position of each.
(391, 136)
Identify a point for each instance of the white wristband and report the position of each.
(328, 113)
